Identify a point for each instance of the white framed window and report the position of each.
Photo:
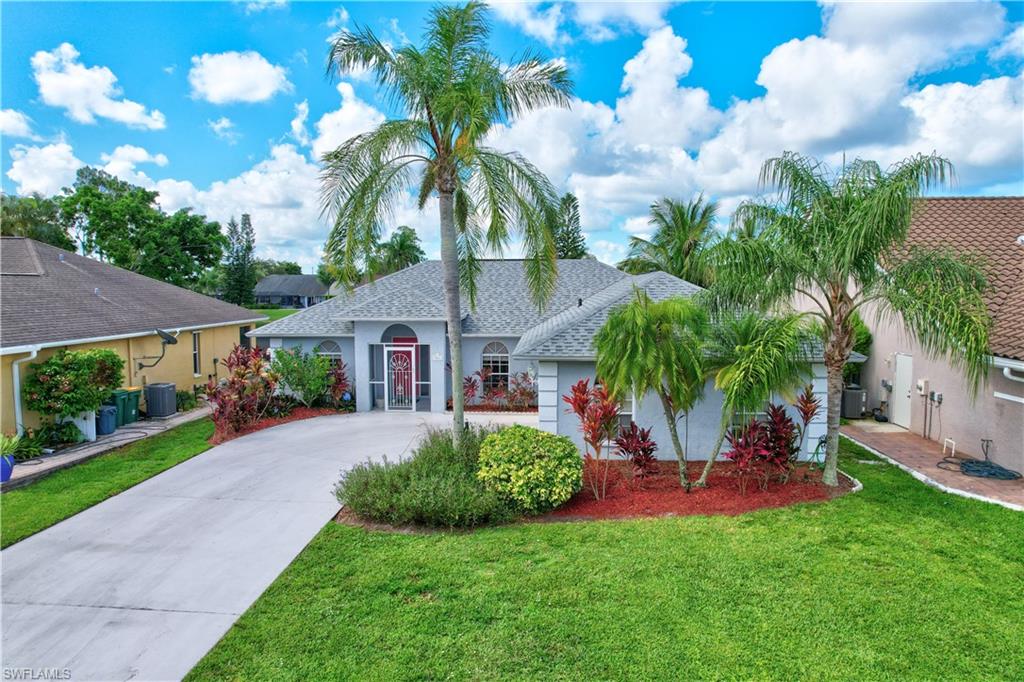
(495, 358)
(331, 350)
(197, 360)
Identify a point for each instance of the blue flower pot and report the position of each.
(6, 467)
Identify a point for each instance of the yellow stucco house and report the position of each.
(52, 299)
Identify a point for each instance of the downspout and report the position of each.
(1008, 373)
(16, 385)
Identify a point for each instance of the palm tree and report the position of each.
(453, 90)
(34, 216)
(683, 236)
(569, 240)
(655, 346)
(752, 357)
(836, 241)
(401, 250)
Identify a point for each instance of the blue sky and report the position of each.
(225, 106)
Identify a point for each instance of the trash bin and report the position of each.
(119, 398)
(106, 419)
(131, 409)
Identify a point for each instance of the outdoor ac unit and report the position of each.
(855, 403)
(161, 400)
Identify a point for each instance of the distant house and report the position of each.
(911, 384)
(52, 299)
(290, 291)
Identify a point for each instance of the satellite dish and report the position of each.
(166, 338)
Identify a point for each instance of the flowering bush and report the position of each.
(244, 395)
(598, 413)
(534, 470)
(72, 382)
(635, 445)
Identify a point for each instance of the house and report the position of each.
(391, 333)
(928, 396)
(52, 299)
(290, 291)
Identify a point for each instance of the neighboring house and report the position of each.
(992, 228)
(290, 291)
(391, 334)
(52, 299)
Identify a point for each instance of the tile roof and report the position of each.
(503, 305)
(989, 227)
(48, 296)
(290, 285)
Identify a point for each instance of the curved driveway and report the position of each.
(142, 585)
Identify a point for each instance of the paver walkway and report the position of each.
(142, 585)
(923, 455)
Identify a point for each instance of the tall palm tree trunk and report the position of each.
(450, 276)
(670, 418)
(703, 480)
(834, 372)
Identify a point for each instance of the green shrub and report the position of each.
(534, 470)
(185, 401)
(304, 374)
(71, 382)
(437, 487)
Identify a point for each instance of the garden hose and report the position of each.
(979, 468)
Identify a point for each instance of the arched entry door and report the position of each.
(401, 375)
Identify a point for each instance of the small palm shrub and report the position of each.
(531, 469)
(437, 487)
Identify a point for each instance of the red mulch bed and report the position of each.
(295, 415)
(661, 494)
(494, 408)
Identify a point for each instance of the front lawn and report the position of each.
(898, 581)
(274, 314)
(39, 505)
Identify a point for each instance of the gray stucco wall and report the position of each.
(963, 418)
(702, 425)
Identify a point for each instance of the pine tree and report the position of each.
(239, 267)
(569, 239)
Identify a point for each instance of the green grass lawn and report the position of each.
(897, 582)
(39, 505)
(274, 314)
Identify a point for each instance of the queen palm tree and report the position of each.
(835, 242)
(751, 358)
(683, 235)
(655, 346)
(453, 91)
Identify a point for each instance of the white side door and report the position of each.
(901, 390)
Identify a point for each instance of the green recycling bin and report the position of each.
(131, 409)
(119, 399)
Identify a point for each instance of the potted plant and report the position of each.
(8, 446)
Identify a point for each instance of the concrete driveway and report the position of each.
(142, 585)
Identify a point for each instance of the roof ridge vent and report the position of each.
(96, 291)
(60, 257)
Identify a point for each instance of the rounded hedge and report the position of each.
(534, 470)
(71, 382)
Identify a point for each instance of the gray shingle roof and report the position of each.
(570, 333)
(503, 305)
(48, 295)
(290, 285)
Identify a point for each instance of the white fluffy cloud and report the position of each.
(354, 116)
(122, 161)
(15, 124)
(256, 6)
(236, 77)
(298, 124)
(1011, 47)
(597, 21)
(544, 23)
(87, 93)
(44, 169)
(224, 128)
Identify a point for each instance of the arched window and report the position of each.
(330, 349)
(495, 358)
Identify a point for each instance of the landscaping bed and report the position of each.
(660, 494)
(295, 414)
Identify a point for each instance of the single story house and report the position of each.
(51, 299)
(290, 291)
(392, 335)
(925, 394)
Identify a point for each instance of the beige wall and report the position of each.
(176, 366)
(959, 417)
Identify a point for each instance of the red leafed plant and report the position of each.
(243, 396)
(635, 445)
(748, 449)
(337, 380)
(783, 437)
(807, 406)
(598, 413)
(522, 392)
(494, 396)
(469, 388)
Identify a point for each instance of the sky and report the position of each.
(226, 107)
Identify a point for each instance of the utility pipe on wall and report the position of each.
(16, 385)
(1008, 373)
